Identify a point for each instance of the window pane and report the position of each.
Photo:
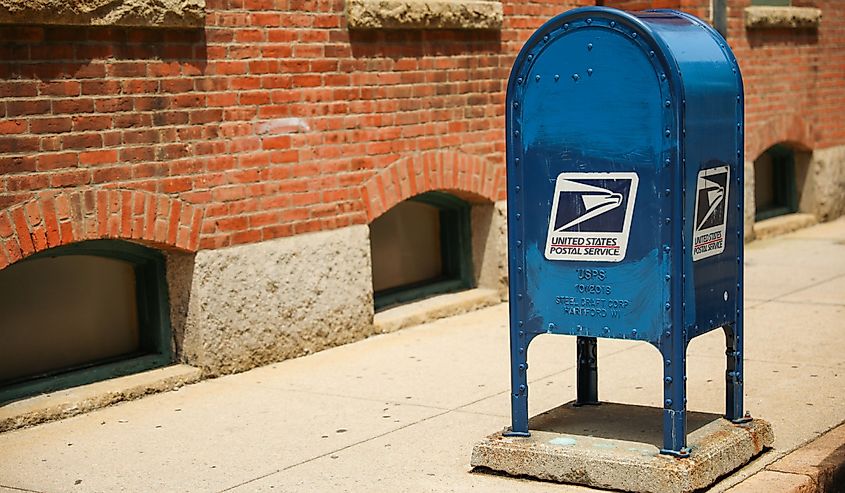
(60, 313)
(764, 183)
(406, 246)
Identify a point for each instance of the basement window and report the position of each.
(775, 192)
(421, 247)
(81, 313)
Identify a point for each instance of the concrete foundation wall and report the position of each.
(489, 246)
(255, 304)
(236, 308)
(824, 186)
(749, 201)
(820, 183)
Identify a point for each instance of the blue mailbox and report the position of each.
(625, 196)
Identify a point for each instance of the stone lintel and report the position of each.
(782, 17)
(135, 13)
(424, 14)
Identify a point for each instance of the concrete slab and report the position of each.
(429, 457)
(798, 252)
(417, 365)
(204, 437)
(826, 451)
(764, 282)
(832, 230)
(831, 292)
(766, 481)
(616, 446)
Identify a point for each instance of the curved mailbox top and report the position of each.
(624, 155)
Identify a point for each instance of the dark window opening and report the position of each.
(775, 192)
(421, 247)
(81, 313)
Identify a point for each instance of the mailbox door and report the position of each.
(592, 153)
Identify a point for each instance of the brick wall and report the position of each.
(275, 120)
(794, 80)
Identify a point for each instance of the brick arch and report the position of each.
(470, 177)
(55, 218)
(790, 129)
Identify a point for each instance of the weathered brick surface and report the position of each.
(275, 119)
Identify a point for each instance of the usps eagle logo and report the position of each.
(591, 216)
(711, 199)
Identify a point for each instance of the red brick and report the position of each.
(94, 158)
(18, 89)
(67, 233)
(6, 228)
(17, 164)
(82, 141)
(110, 105)
(91, 122)
(22, 230)
(13, 250)
(70, 178)
(60, 88)
(50, 125)
(49, 162)
(127, 69)
(75, 105)
(19, 144)
(12, 127)
(173, 222)
(100, 87)
(19, 107)
(51, 222)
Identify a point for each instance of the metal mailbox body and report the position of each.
(625, 195)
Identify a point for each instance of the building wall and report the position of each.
(274, 122)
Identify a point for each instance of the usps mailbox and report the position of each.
(625, 196)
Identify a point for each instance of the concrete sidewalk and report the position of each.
(401, 411)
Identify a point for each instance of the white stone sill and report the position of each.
(780, 225)
(782, 17)
(424, 14)
(441, 306)
(77, 400)
(131, 13)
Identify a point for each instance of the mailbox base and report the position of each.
(574, 445)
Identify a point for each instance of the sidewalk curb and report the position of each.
(816, 467)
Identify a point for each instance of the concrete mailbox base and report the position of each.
(573, 445)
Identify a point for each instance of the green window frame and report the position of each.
(155, 344)
(455, 250)
(772, 3)
(784, 186)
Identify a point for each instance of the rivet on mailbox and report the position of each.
(630, 197)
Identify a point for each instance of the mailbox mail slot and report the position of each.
(625, 196)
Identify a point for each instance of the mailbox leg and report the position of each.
(675, 401)
(734, 374)
(588, 372)
(519, 385)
